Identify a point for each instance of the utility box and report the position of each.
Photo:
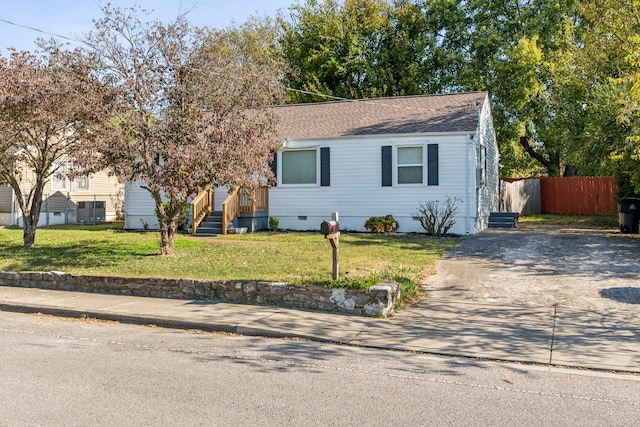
(329, 227)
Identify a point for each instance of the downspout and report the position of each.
(479, 164)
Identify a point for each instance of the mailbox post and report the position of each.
(331, 231)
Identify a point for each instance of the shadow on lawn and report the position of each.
(102, 253)
(404, 241)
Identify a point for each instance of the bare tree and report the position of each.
(49, 107)
(194, 112)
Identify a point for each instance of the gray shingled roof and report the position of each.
(378, 116)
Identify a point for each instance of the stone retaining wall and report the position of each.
(377, 301)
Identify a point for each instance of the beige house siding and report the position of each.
(5, 199)
(66, 202)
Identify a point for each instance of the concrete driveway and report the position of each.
(543, 266)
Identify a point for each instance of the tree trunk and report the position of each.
(554, 164)
(167, 238)
(168, 220)
(29, 232)
(30, 217)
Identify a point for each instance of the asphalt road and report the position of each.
(65, 372)
(543, 266)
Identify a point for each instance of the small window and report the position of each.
(58, 179)
(82, 183)
(299, 167)
(410, 165)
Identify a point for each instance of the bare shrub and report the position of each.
(436, 217)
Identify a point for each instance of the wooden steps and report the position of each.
(211, 225)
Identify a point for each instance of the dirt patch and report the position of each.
(589, 269)
(248, 242)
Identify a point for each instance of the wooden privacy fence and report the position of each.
(521, 196)
(559, 195)
(578, 195)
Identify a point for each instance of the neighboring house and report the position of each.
(375, 157)
(90, 199)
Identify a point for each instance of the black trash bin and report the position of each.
(629, 215)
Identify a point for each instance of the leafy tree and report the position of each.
(192, 111)
(611, 51)
(49, 107)
(329, 46)
(371, 48)
(513, 51)
(365, 48)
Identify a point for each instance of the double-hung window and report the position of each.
(410, 165)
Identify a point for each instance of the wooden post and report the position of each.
(335, 242)
(335, 245)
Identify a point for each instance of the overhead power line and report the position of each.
(337, 98)
(40, 31)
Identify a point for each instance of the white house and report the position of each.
(384, 156)
(375, 157)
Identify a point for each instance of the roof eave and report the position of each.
(383, 136)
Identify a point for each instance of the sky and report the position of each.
(72, 18)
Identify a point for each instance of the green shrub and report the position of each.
(381, 224)
(273, 223)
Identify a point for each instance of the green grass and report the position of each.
(282, 256)
(575, 221)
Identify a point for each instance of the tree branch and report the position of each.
(524, 141)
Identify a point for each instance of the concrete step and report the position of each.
(501, 225)
(503, 219)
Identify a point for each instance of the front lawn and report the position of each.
(282, 256)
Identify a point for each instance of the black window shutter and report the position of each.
(325, 167)
(387, 166)
(432, 164)
(274, 168)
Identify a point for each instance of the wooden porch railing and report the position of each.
(244, 200)
(230, 208)
(201, 206)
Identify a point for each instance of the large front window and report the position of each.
(410, 160)
(299, 167)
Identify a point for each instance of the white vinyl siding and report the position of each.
(356, 192)
(488, 160)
